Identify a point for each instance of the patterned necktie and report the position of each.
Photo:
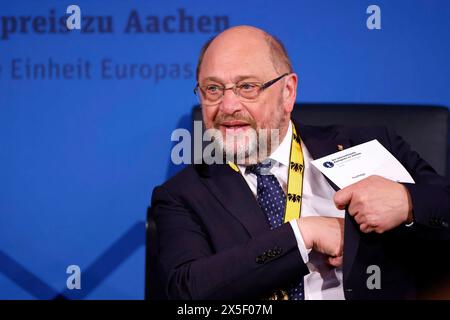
(272, 200)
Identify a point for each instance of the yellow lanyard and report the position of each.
(295, 178)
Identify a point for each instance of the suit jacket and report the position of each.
(215, 241)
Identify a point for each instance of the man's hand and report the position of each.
(376, 203)
(325, 235)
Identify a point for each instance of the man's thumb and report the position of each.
(342, 198)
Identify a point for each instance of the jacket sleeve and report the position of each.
(430, 194)
(191, 269)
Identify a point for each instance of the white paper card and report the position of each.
(356, 163)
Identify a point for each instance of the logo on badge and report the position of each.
(328, 164)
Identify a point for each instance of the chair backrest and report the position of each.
(425, 128)
(154, 289)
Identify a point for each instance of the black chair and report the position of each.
(424, 127)
(154, 289)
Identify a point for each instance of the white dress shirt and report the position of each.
(323, 281)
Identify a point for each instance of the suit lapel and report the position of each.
(322, 141)
(232, 191)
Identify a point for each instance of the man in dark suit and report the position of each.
(220, 226)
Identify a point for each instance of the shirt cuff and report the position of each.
(300, 243)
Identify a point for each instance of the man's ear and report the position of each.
(290, 92)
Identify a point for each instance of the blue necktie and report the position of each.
(272, 200)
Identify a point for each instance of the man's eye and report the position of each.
(212, 89)
(247, 86)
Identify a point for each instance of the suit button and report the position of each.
(262, 258)
(444, 224)
(271, 253)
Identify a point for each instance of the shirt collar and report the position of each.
(283, 152)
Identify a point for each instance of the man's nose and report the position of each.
(230, 102)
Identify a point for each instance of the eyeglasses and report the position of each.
(212, 94)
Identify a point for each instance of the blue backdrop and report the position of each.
(86, 116)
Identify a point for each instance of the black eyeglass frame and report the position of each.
(262, 86)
